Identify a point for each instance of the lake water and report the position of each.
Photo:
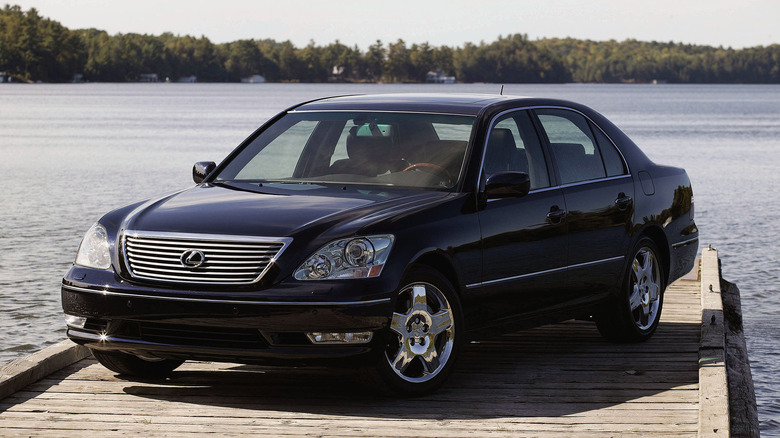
(70, 153)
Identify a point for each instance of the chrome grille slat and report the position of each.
(224, 270)
(179, 279)
(228, 259)
(212, 262)
(184, 248)
(222, 256)
(213, 254)
(204, 243)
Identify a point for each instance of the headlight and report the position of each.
(358, 257)
(94, 249)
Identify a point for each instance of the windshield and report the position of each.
(396, 149)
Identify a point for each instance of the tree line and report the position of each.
(35, 48)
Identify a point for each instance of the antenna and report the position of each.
(501, 92)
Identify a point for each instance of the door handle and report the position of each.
(556, 214)
(623, 201)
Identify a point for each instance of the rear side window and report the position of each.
(573, 146)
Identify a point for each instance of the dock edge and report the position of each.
(727, 404)
(24, 371)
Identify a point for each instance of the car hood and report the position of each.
(272, 211)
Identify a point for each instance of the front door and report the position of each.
(523, 239)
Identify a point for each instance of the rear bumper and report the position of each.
(683, 256)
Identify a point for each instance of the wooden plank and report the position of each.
(19, 373)
(713, 395)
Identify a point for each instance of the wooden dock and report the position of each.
(558, 380)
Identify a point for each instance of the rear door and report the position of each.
(598, 193)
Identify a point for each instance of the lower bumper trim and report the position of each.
(108, 292)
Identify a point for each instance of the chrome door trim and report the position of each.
(548, 271)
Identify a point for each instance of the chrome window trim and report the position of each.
(592, 181)
(285, 241)
(548, 271)
(433, 113)
(564, 186)
(108, 292)
(526, 108)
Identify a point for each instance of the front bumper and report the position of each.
(256, 327)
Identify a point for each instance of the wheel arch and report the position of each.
(658, 237)
(442, 264)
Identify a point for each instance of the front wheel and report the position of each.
(634, 315)
(424, 337)
(132, 365)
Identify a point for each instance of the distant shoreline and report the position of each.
(60, 55)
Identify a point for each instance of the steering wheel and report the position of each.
(431, 168)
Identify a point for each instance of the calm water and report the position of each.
(69, 153)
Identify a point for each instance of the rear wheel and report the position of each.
(132, 365)
(424, 337)
(634, 315)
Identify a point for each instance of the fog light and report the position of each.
(75, 321)
(340, 338)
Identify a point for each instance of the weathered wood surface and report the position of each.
(743, 413)
(559, 380)
(19, 373)
(713, 381)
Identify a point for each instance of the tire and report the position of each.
(633, 315)
(424, 338)
(131, 365)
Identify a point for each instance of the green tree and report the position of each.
(398, 64)
(374, 61)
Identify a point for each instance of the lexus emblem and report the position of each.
(192, 258)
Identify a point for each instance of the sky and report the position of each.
(727, 23)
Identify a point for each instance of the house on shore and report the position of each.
(148, 77)
(254, 79)
(439, 77)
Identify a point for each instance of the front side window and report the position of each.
(513, 146)
(394, 149)
(573, 146)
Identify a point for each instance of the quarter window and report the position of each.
(573, 146)
(612, 159)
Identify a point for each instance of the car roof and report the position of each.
(464, 104)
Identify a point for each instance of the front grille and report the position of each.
(216, 259)
(215, 337)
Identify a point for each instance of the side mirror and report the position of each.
(201, 169)
(507, 185)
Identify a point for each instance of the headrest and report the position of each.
(501, 139)
(360, 147)
(445, 147)
(569, 149)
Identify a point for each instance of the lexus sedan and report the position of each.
(384, 232)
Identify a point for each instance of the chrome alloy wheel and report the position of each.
(644, 300)
(425, 328)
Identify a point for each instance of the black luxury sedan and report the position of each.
(383, 232)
